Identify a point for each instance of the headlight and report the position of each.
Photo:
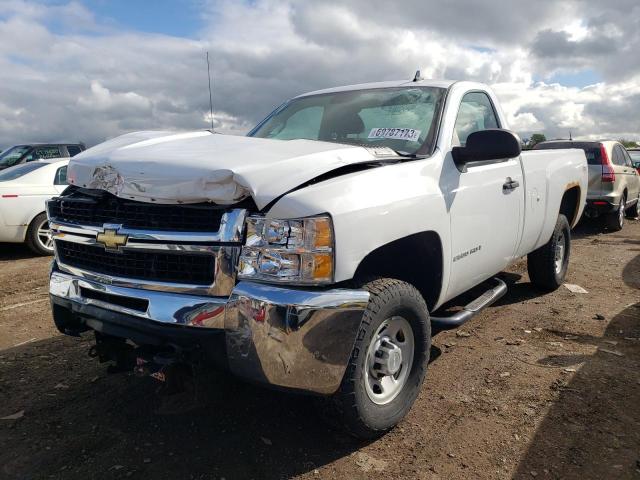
(297, 251)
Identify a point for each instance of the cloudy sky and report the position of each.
(90, 70)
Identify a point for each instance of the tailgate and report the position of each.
(595, 181)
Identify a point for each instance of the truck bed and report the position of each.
(548, 174)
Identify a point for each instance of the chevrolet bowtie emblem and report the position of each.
(111, 239)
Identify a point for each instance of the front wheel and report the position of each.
(548, 264)
(389, 360)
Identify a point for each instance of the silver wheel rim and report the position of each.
(621, 212)
(559, 256)
(44, 236)
(389, 360)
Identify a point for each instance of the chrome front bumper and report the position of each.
(289, 338)
(295, 339)
(162, 307)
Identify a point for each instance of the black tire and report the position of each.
(33, 233)
(544, 272)
(352, 406)
(632, 212)
(614, 221)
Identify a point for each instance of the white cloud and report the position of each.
(95, 82)
(102, 99)
(576, 30)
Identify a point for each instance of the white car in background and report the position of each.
(24, 190)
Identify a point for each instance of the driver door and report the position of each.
(486, 203)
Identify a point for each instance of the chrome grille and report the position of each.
(175, 267)
(196, 261)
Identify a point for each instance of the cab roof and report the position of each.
(390, 84)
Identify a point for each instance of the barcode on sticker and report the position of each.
(395, 133)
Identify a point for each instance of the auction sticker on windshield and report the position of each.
(395, 133)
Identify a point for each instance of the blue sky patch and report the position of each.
(180, 18)
(578, 79)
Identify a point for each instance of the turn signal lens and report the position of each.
(322, 266)
(321, 233)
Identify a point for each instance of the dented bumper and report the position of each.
(295, 339)
(288, 338)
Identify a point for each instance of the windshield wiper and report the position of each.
(400, 153)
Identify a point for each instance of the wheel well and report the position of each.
(30, 224)
(569, 205)
(36, 215)
(416, 259)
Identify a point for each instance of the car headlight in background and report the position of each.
(296, 251)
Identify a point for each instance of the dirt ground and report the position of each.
(537, 386)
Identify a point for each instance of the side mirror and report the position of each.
(492, 144)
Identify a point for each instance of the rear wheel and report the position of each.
(615, 220)
(39, 236)
(548, 264)
(388, 363)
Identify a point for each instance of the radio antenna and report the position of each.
(210, 96)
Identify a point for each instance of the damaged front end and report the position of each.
(163, 277)
(219, 185)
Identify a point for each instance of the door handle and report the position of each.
(510, 184)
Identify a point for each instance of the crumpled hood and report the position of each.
(169, 167)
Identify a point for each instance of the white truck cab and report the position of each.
(313, 254)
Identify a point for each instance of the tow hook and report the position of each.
(155, 366)
(113, 349)
(168, 367)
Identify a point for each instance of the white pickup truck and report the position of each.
(315, 253)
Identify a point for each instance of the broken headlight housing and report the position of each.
(295, 251)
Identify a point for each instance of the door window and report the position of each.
(618, 156)
(61, 176)
(476, 113)
(73, 150)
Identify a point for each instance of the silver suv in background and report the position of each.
(38, 151)
(614, 183)
(634, 153)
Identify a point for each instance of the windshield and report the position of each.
(400, 118)
(19, 170)
(13, 155)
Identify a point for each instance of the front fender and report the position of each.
(375, 207)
